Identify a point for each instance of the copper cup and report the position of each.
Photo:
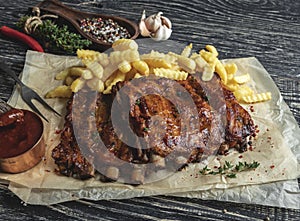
(27, 159)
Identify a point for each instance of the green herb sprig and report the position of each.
(57, 37)
(246, 166)
(61, 37)
(138, 102)
(230, 170)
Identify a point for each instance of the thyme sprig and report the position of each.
(61, 37)
(57, 37)
(246, 166)
(230, 170)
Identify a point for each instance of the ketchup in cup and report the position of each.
(20, 132)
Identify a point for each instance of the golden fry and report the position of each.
(116, 57)
(69, 80)
(231, 68)
(77, 85)
(172, 74)
(119, 76)
(95, 68)
(212, 50)
(242, 79)
(221, 71)
(124, 66)
(208, 56)
(207, 73)
(61, 91)
(186, 63)
(187, 50)
(95, 84)
(124, 44)
(158, 63)
(80, 72)
(138, 75)
(141, 66)
(255, 98)
(125, 63)
(62, 75)
(90, 55)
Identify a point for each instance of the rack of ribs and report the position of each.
(169, 131)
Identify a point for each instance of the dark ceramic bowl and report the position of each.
(75, 17)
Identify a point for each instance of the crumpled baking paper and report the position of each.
(277, 149)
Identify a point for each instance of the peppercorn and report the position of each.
(105, 30)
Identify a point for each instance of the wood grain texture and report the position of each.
(266, 29)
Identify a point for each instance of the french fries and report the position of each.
(102, 71)
(62, 91)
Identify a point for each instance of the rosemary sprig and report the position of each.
(230, 170)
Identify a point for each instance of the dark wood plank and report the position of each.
(266, 29)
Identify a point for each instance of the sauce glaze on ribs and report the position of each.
(214, 123)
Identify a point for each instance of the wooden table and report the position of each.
(266, 29)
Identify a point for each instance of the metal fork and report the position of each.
(27, 93)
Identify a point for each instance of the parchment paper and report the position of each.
(277, 149)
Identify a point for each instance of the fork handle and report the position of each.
(4, 67)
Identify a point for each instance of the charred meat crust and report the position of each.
(157, 120)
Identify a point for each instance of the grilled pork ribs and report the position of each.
(146, 121)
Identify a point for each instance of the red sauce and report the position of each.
(19, 137)
(58, 131)
(11, 116)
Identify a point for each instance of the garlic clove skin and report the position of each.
(153, 22)
(142, 26)
(163, 33)
(165, 21)
(143, 29)
(143, 15)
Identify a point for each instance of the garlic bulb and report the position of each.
(163, 33)
(155, 26)
(153, 22)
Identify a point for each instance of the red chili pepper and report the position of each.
(32, 43)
